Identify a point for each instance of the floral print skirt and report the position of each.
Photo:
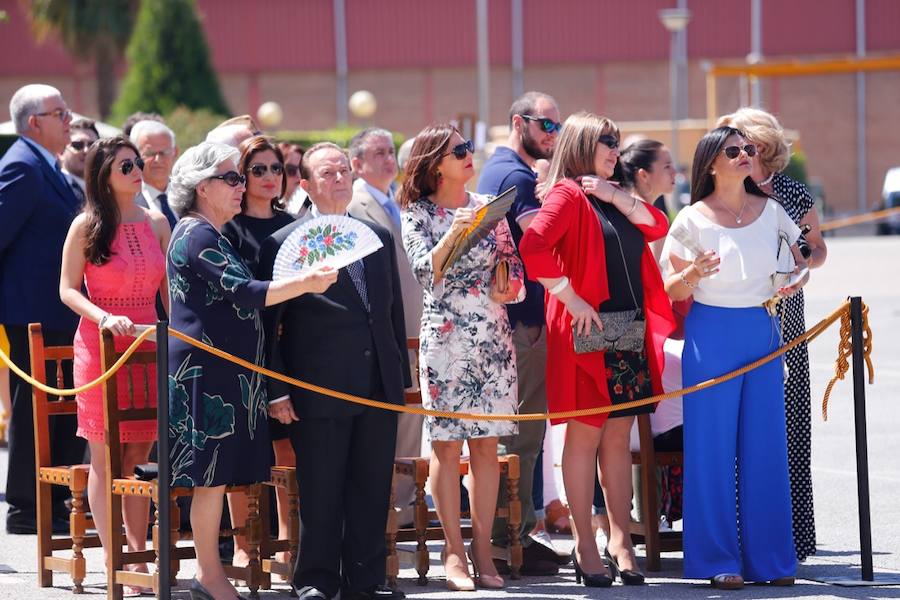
(628, 378)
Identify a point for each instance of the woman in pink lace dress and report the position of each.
(117, 250)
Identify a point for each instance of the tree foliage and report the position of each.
(191, 126)
(90, 30)
(169, 64)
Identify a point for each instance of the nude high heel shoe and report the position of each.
(488, 582)
(456, 584)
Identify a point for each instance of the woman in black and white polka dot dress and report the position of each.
(773, 154)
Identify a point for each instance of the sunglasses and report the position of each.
(128, 165)
(610, 141)
(733, 152)
(547, 125)
(79, 145)
(460, 150)
(259, 169)
(291, 170)
(231, 178)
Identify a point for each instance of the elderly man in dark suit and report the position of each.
(37, 205)
(352, 339)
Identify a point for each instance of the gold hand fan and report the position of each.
(486, 218)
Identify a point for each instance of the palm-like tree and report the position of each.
(90, 30)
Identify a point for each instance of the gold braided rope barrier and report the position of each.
(857, 219)
(841, 367)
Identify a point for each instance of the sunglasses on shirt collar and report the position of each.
(460, 151)
(547, 125)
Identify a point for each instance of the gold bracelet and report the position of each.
(685, 281)
(633, 206)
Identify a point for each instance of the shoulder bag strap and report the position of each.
(600, 216)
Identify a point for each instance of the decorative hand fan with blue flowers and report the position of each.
(330, 240)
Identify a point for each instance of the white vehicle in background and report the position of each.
(890, 198)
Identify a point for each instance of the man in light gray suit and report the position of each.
(375, 167)
(156, 143)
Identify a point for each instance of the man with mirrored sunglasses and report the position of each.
(83, 133)
(534, 125)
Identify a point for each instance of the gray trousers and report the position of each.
(531, 362)
(409, 444)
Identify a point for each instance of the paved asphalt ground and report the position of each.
(856, 266)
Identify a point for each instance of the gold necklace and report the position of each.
(737, 217)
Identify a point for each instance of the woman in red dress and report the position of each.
(588, 247)
(116, 250)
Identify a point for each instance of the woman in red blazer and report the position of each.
(588, 247)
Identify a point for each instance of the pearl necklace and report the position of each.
(766, 181)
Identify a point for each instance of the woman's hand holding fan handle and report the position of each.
(318, 280)
(462, 220)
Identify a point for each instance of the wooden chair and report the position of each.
(124, 484)
(286, 478)
(647, 531)
(73, 477)
(421, 532)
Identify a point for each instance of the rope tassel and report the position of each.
(845, 351)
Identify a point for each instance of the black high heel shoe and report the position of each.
(627, 576)
(198, 592)
(590, 579)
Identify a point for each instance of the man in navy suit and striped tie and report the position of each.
(37, 205)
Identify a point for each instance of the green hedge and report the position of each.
(339, 135)
(796, 168)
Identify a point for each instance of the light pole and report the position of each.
(675, 20)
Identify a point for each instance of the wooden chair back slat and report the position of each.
(114, 416)
(44, 406)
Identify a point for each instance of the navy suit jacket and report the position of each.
(37, 207)
(330, 340)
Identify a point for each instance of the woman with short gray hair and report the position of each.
(218, 430)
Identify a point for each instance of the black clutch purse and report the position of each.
(623, 330)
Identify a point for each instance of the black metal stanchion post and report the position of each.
(862, 452)
(162, 428)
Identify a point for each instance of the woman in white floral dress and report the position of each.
(467, 361)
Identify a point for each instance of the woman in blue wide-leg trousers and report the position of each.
(737, 504)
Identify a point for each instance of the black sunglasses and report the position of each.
(232, 178)
(128, 165)
(610, 141)
(291, 170)
(733, 152)
(460, 150)
(259, 170)
(547, 125)
(79, 145)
